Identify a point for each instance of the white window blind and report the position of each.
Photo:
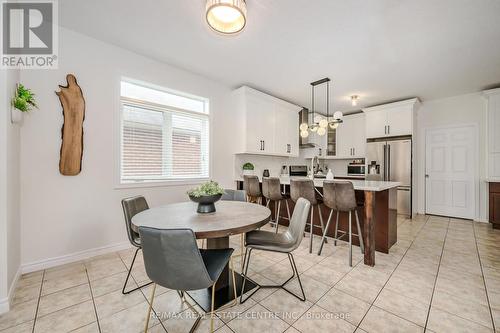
(162, 141)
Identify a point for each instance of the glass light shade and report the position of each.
(323, 123)
(321, 131)
(317, 118)
(314, 128)
(303, 127)
(334, 125)
(304, 134)
(338, 115)
(226, 16)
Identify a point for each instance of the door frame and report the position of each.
(475, 128)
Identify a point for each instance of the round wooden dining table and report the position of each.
(230, 218)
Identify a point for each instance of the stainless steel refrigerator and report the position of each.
(391, 160)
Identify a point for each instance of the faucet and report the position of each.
(312, 165)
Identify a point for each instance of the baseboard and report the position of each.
(5, 302)
(69, 258)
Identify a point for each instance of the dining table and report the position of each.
(230, 218)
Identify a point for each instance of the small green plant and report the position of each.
(206, 189)
(248, 166)
(24, 100)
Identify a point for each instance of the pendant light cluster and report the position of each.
(226, 16)
(320, 125)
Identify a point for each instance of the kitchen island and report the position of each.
(377, 210)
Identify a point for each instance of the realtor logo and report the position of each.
(29, 34)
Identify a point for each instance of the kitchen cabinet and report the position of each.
(351, 139)
(394, 119)
(266, 125)
(493, 102)
(494, 203)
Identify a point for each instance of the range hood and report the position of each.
(304, 118)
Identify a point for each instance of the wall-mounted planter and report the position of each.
(22, 102)
(16, 116)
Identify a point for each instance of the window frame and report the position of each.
(119, 182)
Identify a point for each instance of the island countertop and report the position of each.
(361, 184)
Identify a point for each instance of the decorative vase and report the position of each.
(247, 172)
(206, 204)
(16, 116)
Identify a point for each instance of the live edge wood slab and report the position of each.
(73, 104)
(377, 211)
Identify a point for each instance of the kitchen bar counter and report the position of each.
(377, 210)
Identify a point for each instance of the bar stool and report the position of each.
(271, 189)
(304, 188)
(252, 186)
(340, 196)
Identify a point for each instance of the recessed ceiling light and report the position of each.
(226, 16)
(354, 100)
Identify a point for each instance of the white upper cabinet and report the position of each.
(267, 126)
(394, 119)
(351, 139)
(493, 98)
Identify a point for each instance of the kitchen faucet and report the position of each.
(312, 165)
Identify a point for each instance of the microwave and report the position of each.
(355, 170)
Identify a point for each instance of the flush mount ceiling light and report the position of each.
(226, 16)
(354, 100)
(320, 124)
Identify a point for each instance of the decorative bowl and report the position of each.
(206, 204)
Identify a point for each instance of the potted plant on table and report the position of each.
(206, 195)
(248, 169)
(22, 102)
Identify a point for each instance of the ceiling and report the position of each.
(381, 50)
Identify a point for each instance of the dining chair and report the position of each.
(131, 207)
(236, 195)
(285, 242)
(173, 260)
(251, 185)
(271, 189)
(340, 196)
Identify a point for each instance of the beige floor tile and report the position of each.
(91, 328)
(63, 299)
(30, 279)
(229, 314)
(18, 314)
(441, 321)
(361, 289)
(352, 309)
(378, 320)
(131, 320)
(64, 270)
(462, 290)
(320, 320)
(291, 329)
(168, 304)
(257, 319)
(264, 292)
(462, 308)
(52, 284)
(22, 328)
(411, 289)
(313, 289)
(183, 322)
(404, 307)
(105, 268)
(114, 302)
(67, 319)
(286, 306)
(111, 283)
(324, 274)
(26, 293)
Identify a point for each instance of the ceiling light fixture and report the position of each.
(320, 124)
(354, 100)
(226, 16)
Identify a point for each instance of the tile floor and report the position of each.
(443, 275)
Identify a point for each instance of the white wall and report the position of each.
(64, 215)
(464, 109)
(10, 250)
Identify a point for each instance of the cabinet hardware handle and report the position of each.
(353, 151)
(263, 145)
(388, 129)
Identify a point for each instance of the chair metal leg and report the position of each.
(212, 310)
(128, 277)
(246, 261)
(149, 308)
(278, 216)
(311, 227)
(324, 232)
(241, 249)
(360, 235)
(321, 221)
(288, 210)
(336, 229)
(350, 239)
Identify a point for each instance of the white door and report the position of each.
(450, 171)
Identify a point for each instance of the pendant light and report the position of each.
(226, 16)
(320, 125)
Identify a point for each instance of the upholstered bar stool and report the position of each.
(271, 189)
(340, 197)
(304, 188)
(252, 186)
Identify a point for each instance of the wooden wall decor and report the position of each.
(73, 104)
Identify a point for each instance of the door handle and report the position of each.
(426, 176)
(388, 129)
(389, 162)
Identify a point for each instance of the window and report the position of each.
(164, 135)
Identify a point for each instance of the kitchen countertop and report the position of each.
(361, 185)
(492, 180)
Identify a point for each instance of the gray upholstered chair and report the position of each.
(304, 188)
(340, 196)
(285, 243)
(251, 185)
(236, 195)
(271, 189)
(131, 207)
(173, 260)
